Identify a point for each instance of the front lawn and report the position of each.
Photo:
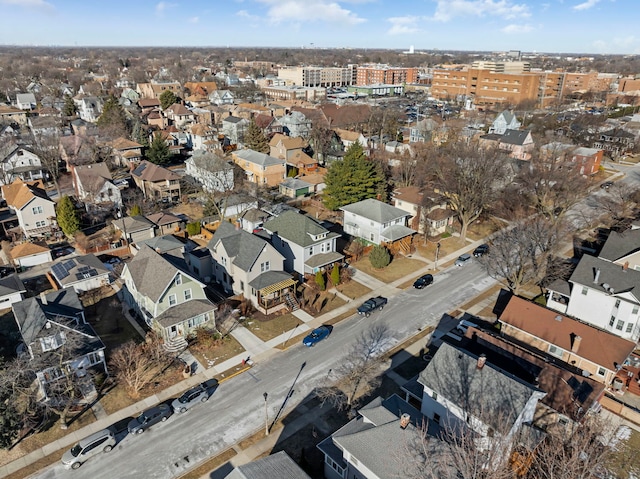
(269, 327)
(212, 353)
(353, 289)
(400, 266)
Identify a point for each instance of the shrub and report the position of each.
(320, 280)
(193, 228)
(379, 257)
(335, 275)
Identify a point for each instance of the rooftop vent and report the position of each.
(558, 317)
(481, 360)
(405, 419)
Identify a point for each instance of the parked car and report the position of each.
(481, 250)
(317, 335)
(606, 185)
(101, 441)
(190, 398)
(148, 418)
(463, 259)
(422, 281)
(371, 305)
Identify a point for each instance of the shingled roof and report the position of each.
(93, 176)
(297, 228)
(375, 210)
(151, 272)
(148, 171)
(242, 246)
(619, 245)
(19, 193)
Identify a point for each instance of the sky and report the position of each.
(560, 26)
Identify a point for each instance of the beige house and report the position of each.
(248, 265)
(125, 151)
(284, 147)
(157, 182)
(429, 214)
(260, 168)
(167, 297)
(36, 212)
(155, 88)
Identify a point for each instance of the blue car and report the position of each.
(317, 335)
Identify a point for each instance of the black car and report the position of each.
(423, 281)
(606, 185)
(148, 418)
(481, 250)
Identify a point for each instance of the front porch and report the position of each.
(178, 322)
(322, 260)
(398, 239)
(274, 291)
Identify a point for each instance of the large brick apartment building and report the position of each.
(384, 74)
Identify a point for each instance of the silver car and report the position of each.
(101, 441)
(190, 398)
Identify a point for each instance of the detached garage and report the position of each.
(26, 255)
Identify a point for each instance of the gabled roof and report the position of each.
(11, 284)
(598, 346)
(614, 276)
(494, 396)
(584, 151)
(179, 109)
(152, 272)
(278, 465)
(341, 116)
(375, 210)
(210, 161)
(93, 176)
(163, 219)
(242, 247)
(233, 119)
(515, 137)
(619, 245)
(19, 193)
(348, 135)
(70, 270)
(289, 142)
(28, 249)
(124, 144)
(148, 171)
(507, 116)
(261, 159)
(133, 224)
(294, 183)
(165, 244)
(409, 194)
(297, 228)
(263, 120)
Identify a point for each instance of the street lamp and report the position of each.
(266, 415)
(435, 267)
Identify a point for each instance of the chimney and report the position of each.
(596, 276)
(625, 266)
(405, 419)
(481, 360)
(43, 298)
(576, 344)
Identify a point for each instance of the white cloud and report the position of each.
(194, 19)
(516, 28)
(628, 44)
(33, 4)
(247, 16)
(586, 5)
(279, 11)
(403, 25)
(161, 7)
(448, 9)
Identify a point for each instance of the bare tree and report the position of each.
(522, 253)
(619, 205)
(136, 365)
(468, 176)
(47, 147)
(360, 370)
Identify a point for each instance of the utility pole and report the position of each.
(437, 253)
(266, 415)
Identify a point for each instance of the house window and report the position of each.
(629, 327)
(555, 351)
(612, 320)
(36, 210)
(41, 224)
(187, 294)
(434, 395)
(585, 290)
(223, 260)
(310, 250)
(172, 300)
(334, 465)
(372, 237)
(241, 285)
(179, 279)
(94, 358)
(193, 322)
(601, 371)
(617, 303)
(436, 418)
(265, 266)
(619, 325)
(635, 309)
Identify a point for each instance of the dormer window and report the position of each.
(49, 343)
(179, 279)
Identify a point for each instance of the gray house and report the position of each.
(376, 222)
(505, 120)
(306, 245)
(160, 288)
(278, 465)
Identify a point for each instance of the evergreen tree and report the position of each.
(158, 152)
(140, 135)
(379, 257)
(67, 216)
(254, 138)
(69, 108)
(352, 179)
(335, 274)
(113, 120)
(167, 98)
(320, 280)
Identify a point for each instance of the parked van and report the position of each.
(463, 325)
(101, 441)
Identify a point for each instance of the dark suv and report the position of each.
(423, 281)
(481, 250)
(148, 418)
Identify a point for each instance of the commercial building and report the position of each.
(385, 74)
(317, 76)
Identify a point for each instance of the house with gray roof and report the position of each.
(603, 291)
(54, 331)
(26, 101)
(505, 120)
(376, 444)
(212, 171)
(80, 273)
(170, 299)
(233, 128)
(11, 290)
(248, 265)
(94, 186)
(18, 161)
(259, 167)
(462, 391)
(376, 222)
(518, 142)
(135, 228)
(306, 245)
(278, 465)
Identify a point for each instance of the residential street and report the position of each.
(237, 407)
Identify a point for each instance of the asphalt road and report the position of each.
(236, 408)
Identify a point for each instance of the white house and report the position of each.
(26, 101)
(11, 290)
(36, 212)
(89, 108)
(94, 186)
(376, 222)
(19, 162)
(306, 245)
(29, 254)
(212, 171)
(80, 273)
(505, 120)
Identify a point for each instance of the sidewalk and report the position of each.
(257, 350)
